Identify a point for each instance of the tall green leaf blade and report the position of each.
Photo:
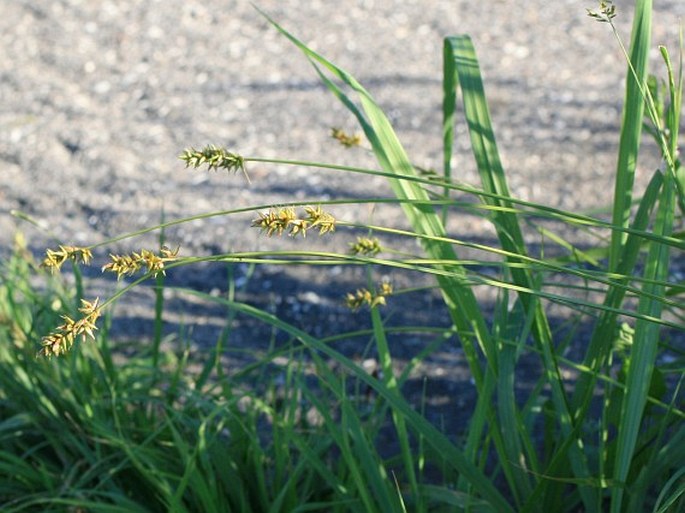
(631, 126)
(645, 345)
(462, 70)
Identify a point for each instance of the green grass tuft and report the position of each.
(87, 426)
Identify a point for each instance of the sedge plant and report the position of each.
(603, 431)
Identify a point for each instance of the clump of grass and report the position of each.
(83, 433)
(149, 435)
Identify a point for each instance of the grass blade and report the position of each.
(461, 69)
(644, 348)
(631, 126)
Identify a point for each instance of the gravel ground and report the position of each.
(98, 98)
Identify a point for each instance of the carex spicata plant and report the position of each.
(599, 426)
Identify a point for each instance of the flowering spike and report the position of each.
(322, 220)
(55, 258)
(215, 158)
(278, 221)
(63, 337)
(275, 221)
(606, 12)
(128, 265)
(348, 141)
(365, 297)
(366, 246)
